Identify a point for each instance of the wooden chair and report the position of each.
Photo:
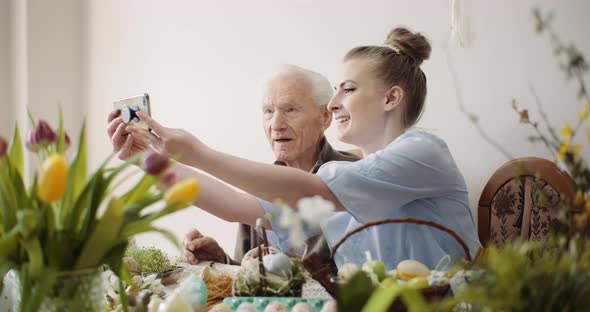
(519, 198)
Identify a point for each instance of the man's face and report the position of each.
(293, 122)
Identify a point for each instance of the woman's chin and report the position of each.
(344, 137)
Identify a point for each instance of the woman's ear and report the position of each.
(394, 97)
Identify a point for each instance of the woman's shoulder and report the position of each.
(417, 143)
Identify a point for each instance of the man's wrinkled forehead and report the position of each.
(286, 89)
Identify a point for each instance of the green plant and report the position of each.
(150, 260)
(530, 276)
(67, 220)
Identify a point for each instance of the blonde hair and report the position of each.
(398, 62)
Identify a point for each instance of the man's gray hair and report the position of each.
(320, 86)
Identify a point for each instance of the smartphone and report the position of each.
(130, 106)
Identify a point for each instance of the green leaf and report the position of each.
(31, 119)
(16, 151)
(385, 295)
(76, 177)
(61, 140)
(9, 243)
(355, 293)
(8, 198)
(139, 190)
(103, 236)
(133, 210)
(114, 257)
(35, 253)
(41, 288)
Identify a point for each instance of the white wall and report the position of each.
(200, 62)
(40, 63)
(5, 71)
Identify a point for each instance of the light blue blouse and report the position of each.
(415, 176)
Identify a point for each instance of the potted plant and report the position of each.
(58, 231)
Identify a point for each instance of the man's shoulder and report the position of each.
(343, 156)
(330, 154)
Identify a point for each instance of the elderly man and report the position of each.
(294, 117)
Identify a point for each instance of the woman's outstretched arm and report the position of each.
(269, 182)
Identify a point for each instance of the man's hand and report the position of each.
(197, 247)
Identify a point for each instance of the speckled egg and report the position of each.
(330, 306)
(276, 306)
(220, 307)
(302, 307)
(247, 307)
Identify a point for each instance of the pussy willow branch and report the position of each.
(470, 115)
(577, 71)
(550, 128)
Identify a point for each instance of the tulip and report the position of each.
(182, 194)
(3, 146)
(53, 180)
(41, 137)
(45, 134)
(156, 163)
(67, 140)
(167, 179)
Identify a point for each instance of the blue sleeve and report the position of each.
(412, 168)
(278, 236)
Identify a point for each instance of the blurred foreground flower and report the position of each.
(182, 194)
(54, 176)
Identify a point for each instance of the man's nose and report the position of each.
(278, 122)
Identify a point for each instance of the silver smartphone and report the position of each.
(130, 106)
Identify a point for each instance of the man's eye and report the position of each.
(266, 111)
(349, 90)
(291, 110)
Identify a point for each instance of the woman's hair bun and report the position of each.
(411, 44)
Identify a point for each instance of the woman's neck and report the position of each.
(390, 133)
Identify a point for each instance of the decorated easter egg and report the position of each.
(409, 269)
(278, 264)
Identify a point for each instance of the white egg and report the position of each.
(302, 307)
(247, 307)
(330, 306)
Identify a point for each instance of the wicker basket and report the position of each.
(431, 292)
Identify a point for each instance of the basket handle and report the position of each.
(405, 220)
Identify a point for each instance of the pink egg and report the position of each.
(276, 306)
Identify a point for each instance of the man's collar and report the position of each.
(325, 150)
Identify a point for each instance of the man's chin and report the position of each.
(283, 157)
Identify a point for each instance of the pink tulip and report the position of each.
(168, 179)
(3, 147)
(156, 163)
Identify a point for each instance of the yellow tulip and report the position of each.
(182, 193)
(53, 180)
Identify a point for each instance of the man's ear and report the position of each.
(326, 118)
(394, 97)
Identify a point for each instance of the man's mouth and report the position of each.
(282, 140)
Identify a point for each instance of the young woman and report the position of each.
(404, 173)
